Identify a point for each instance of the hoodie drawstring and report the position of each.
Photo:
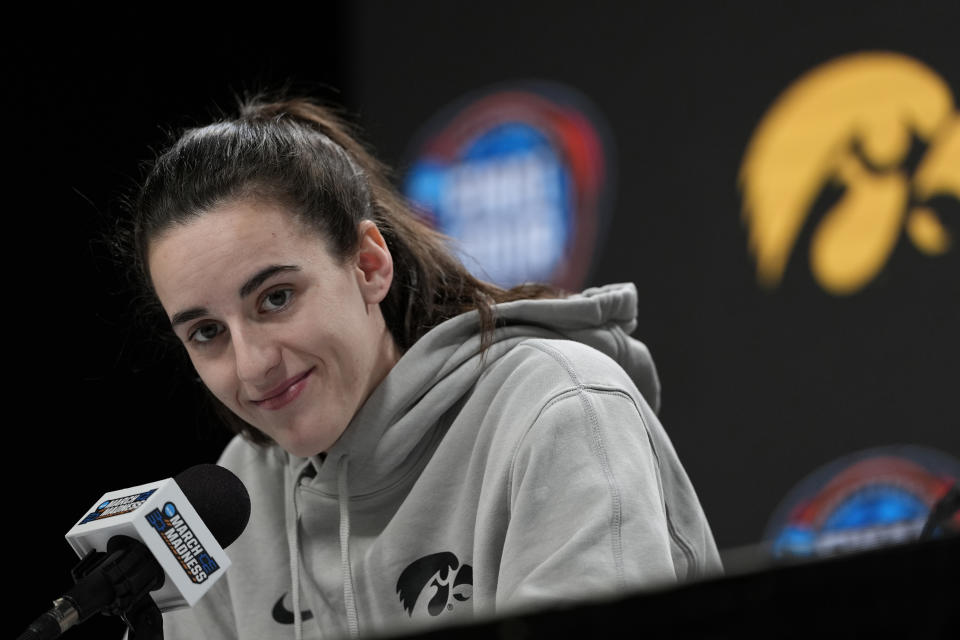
(293, 547)
(349, 597)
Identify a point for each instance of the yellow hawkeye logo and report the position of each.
(852, 122)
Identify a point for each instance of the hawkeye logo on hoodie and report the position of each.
(434, 584)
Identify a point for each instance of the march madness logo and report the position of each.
(434, 584)
(869, 499)
(183, 543)
(520, 177)
(871, 139)
(118, 506)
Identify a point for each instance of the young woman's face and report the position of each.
(288, 338)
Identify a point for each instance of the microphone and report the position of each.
(152, 547)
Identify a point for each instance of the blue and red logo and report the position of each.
(194, 559)
(520, 177)
(871, 499)
(117, 506)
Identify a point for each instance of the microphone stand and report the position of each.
(116, 582)
(144, 620)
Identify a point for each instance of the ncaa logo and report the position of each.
(869, 499)
(117, 506)
(520, 177)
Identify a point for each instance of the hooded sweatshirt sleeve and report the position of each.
(585, 493)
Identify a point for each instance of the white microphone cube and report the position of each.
(159, 515)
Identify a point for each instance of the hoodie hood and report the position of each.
(436, 372)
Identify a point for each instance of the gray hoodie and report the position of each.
(468, 486)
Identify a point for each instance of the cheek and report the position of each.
(330, 335)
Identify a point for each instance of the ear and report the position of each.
(374, 263)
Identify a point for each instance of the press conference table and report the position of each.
(910, 591)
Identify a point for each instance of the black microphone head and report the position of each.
(220, 499)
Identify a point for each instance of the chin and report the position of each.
(305, 438)
(302, 449)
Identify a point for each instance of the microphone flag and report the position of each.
(159, 515)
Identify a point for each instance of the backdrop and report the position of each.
(771, 170)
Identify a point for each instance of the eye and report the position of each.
(205, 332)
(276, 299)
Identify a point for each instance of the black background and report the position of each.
(759, 388)
(97, 403)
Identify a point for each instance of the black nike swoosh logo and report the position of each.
(284, 616)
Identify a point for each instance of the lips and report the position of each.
(285, 393)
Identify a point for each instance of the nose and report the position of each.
(257, 356)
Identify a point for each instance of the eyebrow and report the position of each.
(246, 289)
(263, 275)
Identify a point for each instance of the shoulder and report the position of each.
(566, 364)
(242, 456)
(261, 468)
(544, 387)
(582, 384)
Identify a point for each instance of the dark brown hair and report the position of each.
(301, 155)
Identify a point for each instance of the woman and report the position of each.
(419, 445)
